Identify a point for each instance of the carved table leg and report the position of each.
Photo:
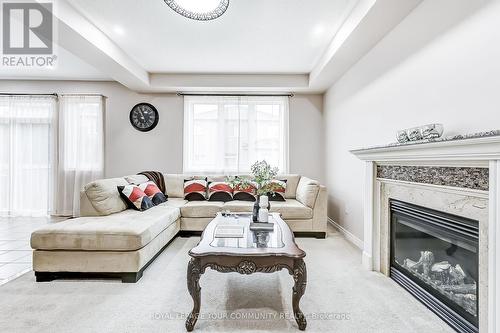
(193, 279)
(300, 278)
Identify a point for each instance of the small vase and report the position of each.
(256, 208)
(255, 212)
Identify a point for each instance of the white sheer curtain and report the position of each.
(81, 149)
(27, 135)
(227, 134)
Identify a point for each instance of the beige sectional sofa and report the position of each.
(111, 240)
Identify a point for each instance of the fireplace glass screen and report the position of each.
(434, 255)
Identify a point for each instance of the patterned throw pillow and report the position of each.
(245, 194)
(279, 190)
(153, 192)
(195, 189)
(135, 197)
(219, 191)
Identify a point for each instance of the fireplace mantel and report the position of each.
(474, 149)
(482, 152)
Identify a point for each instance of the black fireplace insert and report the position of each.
(434, 256)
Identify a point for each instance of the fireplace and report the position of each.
(435, 256)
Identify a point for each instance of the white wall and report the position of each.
(440, 64)
(129, 151)
(306, 136)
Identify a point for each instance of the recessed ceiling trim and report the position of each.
(199, 16)
(82, 37)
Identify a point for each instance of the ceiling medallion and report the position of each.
(198, 15)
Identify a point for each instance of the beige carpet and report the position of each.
(351, 299)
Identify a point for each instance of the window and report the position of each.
(48, 151)
(227, 134)
(81, 149)
(81, 132)
(26, 154)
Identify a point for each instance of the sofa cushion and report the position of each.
(104, 196)
(125, 231)
(176, 202)
(174, 184)
(292, 181)
(239, 206)
(201, 208)
(136, 179)
(291, 209)
(307, 191)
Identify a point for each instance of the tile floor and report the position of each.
(15, 250)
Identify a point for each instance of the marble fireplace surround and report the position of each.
(465, 203)
(460, 177)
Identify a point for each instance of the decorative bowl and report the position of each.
(402, 137)
(414, 134)
(432, 131)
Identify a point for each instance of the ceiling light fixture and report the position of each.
(201, 10)
(118, 30)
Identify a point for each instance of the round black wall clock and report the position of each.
(144, 117)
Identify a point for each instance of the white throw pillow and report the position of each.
(292, 180)
(104, 196)
(307, 191)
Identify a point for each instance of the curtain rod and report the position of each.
(236, 95)
(83, 94)
(53, 94)
(16, 94)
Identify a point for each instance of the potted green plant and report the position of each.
(261, 178)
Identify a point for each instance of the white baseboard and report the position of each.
(347, 234)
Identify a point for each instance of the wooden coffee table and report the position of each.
(264, 252)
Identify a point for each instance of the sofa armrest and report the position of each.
(307, 191)
(312, 194)
(86, 208)
(320, 218)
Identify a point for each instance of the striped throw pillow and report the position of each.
(135, 197)
(153, 192)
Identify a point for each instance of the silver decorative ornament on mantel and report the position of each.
(432, 131)
(187, 8)
(426, 132)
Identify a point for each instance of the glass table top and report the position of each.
(251, 238)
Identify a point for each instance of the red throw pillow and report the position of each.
(248, 193)
(219, 191)
(279, 190)
(195, 189)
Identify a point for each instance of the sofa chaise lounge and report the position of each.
(110, 240)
